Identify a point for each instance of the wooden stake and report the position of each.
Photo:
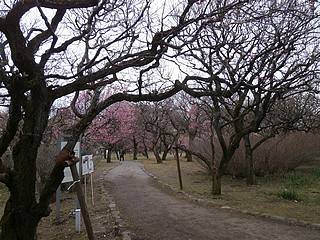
(92, 197)
(85, 188)
(82, 202)
(178, 168)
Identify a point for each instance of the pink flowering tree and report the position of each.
(115, 128)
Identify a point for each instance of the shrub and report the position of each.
(289, 194)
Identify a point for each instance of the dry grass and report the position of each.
(263, 198)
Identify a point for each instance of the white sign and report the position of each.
(87, 164)
(67, 171)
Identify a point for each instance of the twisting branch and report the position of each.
(73, 106)
(35, 43)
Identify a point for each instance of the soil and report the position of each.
(154, 214)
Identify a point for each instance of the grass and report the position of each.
(291, 195)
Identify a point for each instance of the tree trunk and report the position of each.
(21, 215)
(215, 171)
(251, 179)
(165, 153)
(18, 224)
(216, 182)
(104, 153)
(146, 153)
(145, 150)
(135, 149)
(189, 156)
(190, 142)
(157, 155)
(109, 156)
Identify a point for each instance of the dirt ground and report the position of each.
(153, 214)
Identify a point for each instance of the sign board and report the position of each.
(67, 171)
(87, 164)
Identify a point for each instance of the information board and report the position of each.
(87, 164)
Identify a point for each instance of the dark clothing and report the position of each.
(122, 155)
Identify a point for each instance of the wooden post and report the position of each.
(178, 168)
(82, 202)
(92, 196)
(85, 187)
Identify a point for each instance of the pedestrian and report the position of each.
(122, 155)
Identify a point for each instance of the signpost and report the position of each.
(83, 206)
(71, 175)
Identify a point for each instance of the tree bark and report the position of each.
(145, 149)
(146, 153)
(157, 155)
(109, 156)
(104, 153)
(215, 171)
(17, 224)
(216, 182)
(188, 153)
(165, 153)
(189, 156)
(251, 178)
(135, 149)
(21, 217)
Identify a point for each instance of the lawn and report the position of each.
(292, 195)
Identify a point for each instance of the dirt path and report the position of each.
(156, 215)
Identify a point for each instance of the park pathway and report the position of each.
(153, 214)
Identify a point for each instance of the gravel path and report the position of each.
(156, 215)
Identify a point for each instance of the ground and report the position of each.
(266, 197)
(154, 214)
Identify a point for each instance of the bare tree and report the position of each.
(258, 54)
(157, 128)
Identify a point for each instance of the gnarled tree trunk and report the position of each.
(22, 214)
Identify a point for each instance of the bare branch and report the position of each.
(35, 43)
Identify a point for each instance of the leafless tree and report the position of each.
(157, 128)
(260, 53)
